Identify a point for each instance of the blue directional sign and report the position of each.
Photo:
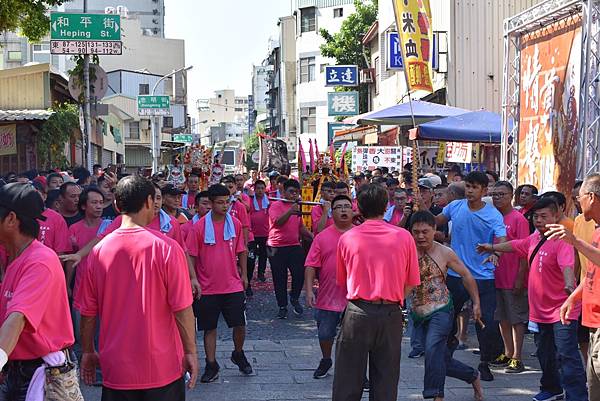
(341, 75)
(394, 52)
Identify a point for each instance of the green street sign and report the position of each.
(104, 27)
(185, 138)
(158, 105)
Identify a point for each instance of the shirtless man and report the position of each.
(433, 312)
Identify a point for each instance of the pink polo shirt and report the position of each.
(396, 217)
(546, 291)
(376, 261)
(517, 227)
(259, 219)
(315, 216)
(323, 256)
(54, 232)
(80, 234)
(34, 285)
(141, 277)
(238, 210)
(174, 233)
(222, 277)
(287, 234)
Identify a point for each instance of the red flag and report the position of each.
(312, 156)
(343, 165)
(301, 158)
(332, 154)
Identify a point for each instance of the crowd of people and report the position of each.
(120, 271)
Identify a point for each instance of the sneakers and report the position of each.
(211, 372)
(282, 313)
(515, 366)
(239, 358)
(323, 368)
(414, 354)
(484, 372)
(548, 396)
(501, 361)
(297, 308)
(366, 385)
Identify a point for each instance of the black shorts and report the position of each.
(171, 392)
(208, 308)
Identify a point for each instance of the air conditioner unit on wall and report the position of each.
(367, 75)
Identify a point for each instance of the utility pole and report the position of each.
(87, 140)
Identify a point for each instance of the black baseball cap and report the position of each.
(171, 189)
(22, 199)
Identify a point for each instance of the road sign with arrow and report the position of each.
(85, 33)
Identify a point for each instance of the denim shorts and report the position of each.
(327, 323)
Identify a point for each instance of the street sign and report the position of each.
(341, 75)
(185, 138)
(85, 34)
(100, 27)
(394, 53)
(98, 85)
(342, 103)
(159, 105)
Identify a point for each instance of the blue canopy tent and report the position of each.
(400, 114)
(477, 126)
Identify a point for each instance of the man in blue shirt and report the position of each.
(475, 222)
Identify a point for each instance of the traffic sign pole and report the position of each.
(86, 115)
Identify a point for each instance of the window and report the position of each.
(237, 109)
(14, 56)
(308, 20)
(308, 120)
(307, 69)
(144, 89)
(134, 130)
(338, 12)
(167, 122)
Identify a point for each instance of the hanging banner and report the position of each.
(365, 158)
(459, 152)
(8, 140)
(413, 19)
(548, 114)
(274, 156)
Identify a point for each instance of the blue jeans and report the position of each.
(490, 340)
(416, 341)
(439, 362)
(560, 360)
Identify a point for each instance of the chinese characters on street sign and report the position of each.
(159, 105)
(85, 33)
(185, 138)
(394, 55)
(459, 152)
(341, 75)
(342, 103)
(367, 158)
(413, 19)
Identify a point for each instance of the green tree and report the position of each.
(28, 17)
(346, 45)
(251, 143)
(57, 131)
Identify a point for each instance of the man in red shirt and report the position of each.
(36, 326)
(284, 249)
(259, 224)
(321, 215)
(218, 253)
(331, 300)
(588, 292)
(138, 282)
(378, 265)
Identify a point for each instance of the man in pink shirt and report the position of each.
(395, 214)
(331, 300)
(551, 280)
(35, 322)
(512, 309)
(202, 206)
(284, 249)
(321, 215)
(218, 253)
(243, 197)
(237, 207)
(137, 282)
(188, 200)
(259, 224)
(378, 265)
(54, 232)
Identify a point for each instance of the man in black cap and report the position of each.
(172, 202)
(35, 320)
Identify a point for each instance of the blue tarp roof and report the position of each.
(400, 114)
(476, 126)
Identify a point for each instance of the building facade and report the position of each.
(224, 107)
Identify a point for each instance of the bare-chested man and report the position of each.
(433, 312)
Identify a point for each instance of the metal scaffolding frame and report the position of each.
(530, 20)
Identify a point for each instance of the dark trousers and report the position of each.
(370, 333)
(18, 377)
(560, 360)
(489, 338)
(282, 259)
(171, 392)
(439, 361)
(257, 250)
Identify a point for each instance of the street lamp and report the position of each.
(155, 122)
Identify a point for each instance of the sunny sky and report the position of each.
(223, 38)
